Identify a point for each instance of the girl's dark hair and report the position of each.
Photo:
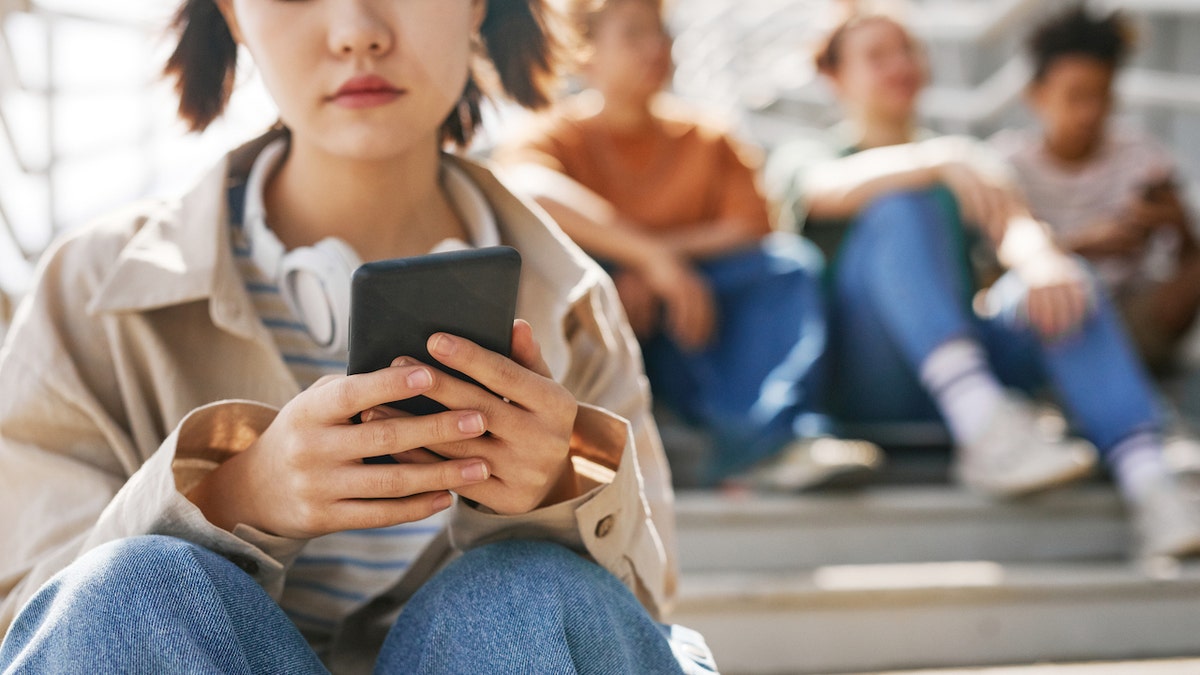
(828, 57)
(1076, 33)
(203, 64)
(519, 38)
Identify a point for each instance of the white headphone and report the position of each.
(315, 280)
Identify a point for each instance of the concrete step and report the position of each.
(1140, 667)
(867, 618)
(747, 532)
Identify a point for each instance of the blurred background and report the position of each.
(86, 125)
(895, 578)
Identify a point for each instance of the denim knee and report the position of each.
(525, 606)
(123, 566)
(896, 214)
(155, 604)
(548, 570)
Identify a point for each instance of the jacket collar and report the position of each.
(181, 254)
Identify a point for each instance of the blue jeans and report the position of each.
(900, 289)
(761, 381)
(157, 604)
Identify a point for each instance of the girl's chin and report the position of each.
(373, 142)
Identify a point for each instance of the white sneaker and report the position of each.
(1018, 454)
(808, 463)
(1167, 520)
(1181, 452)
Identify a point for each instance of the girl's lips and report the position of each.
(366, 91)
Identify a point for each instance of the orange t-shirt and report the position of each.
(677, 173)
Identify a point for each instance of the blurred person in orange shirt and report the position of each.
(730, 316)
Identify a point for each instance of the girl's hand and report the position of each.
(642, 307)
(529, 420)
(984, 203)
(1059, 293)
(304, 476)
(688, 302)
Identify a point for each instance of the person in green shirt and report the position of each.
(910, 337)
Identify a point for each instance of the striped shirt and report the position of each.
(338, 573)
(1073, 199)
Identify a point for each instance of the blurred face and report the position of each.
(1073, 100)
(881, 70)
(366, 79)
(631, 57)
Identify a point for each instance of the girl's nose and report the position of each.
(358, 29)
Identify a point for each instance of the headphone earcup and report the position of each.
(315, 283)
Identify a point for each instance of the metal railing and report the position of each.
(748, 55)
(738, 63)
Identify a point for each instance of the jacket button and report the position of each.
(604, 526)
(247, 565)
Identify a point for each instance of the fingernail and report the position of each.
(403, 361)
(444, 344)
(475, 473)
(369, 416)
(442, 502)
(471, 424)
(419, 379)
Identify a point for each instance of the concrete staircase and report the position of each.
(925, 576)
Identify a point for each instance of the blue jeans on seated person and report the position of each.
(158, 604)
(900, 288)
(760, 382)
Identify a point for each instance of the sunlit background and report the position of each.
(87, 125)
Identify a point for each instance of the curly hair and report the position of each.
(520, 41)
(1077, 33)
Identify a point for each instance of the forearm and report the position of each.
(601, 232)
(706, 240)
(586, 217)
(842, 188)
(1024, 240)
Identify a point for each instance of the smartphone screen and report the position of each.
(396, 305)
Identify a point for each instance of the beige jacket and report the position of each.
(138, 364)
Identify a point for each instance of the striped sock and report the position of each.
(958, 376)
(1137, 464)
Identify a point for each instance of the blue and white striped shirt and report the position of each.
(338, 573)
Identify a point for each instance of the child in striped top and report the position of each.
(1111, 194)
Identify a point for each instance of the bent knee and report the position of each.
(134, 560)
(895, 211)
(522, 568)
(543, 558)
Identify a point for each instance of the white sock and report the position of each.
(958, 376)
(1137, 464)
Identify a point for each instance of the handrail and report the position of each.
(10, 80)
(1141, 87)
(972, 23)
(978, 23)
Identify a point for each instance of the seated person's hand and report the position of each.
(1109, 238)
(1059, 293)
(1155, 209)
(688, 302)
(642, 306)
(983, 201)
(529, 418)
(304, 477)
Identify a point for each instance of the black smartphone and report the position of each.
(1157, 191)
(396, 305)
